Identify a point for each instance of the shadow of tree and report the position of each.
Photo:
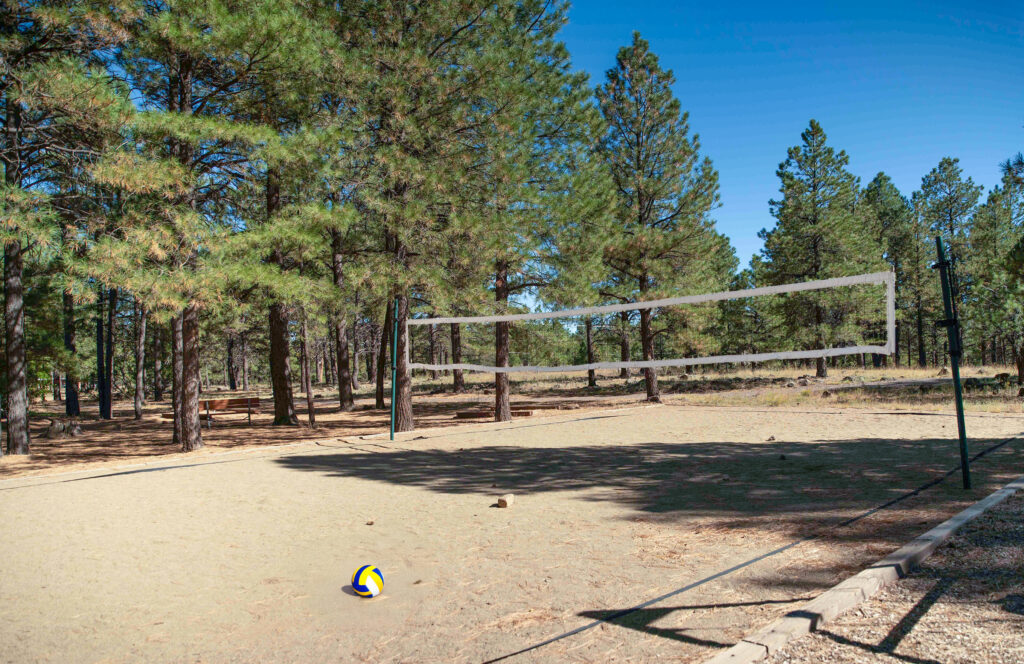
(642, 619)
(804, 488)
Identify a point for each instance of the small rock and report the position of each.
(802, 382)
(826, 394)
(943, 372)
(369, 523)
(790, 384)
(506, 500)
(771, 438)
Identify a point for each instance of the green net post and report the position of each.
(952, 325)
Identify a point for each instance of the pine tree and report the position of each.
(892, 222)
(666, 243)
(821, 233)
(56, 112)
(948, 202)
(995, 262)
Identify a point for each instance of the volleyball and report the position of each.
(368, 581)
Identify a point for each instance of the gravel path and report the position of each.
(965, 605)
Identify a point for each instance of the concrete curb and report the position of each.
(856, 589)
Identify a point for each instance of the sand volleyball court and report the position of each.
(246, 557)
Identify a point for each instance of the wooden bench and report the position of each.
(247, 405)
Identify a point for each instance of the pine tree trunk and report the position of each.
(158, 363)
(111, 317)
(307, 383)
(403, 401)
(232, 379)
(280, 369)
(17, 370)
(371, 355)
(1018, 359)
(502, 407)
(321, 362)
(346, 401)
(332, 359)
(647, 343)
(355, 361)
(896, 344)
(458, 380)
(382, 355)
(102, 388)
(432, 341)
(245, 364)
(819, 319)
(177, 378)
(624, 343)
(71, 406)
(591, 374)
(191, 429)
(14, 306)
(921, 359)
(140, 360)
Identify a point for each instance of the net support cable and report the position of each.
(887, 279)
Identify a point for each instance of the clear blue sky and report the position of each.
(897, 85)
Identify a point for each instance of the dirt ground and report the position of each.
(246, 557)
(965, 605)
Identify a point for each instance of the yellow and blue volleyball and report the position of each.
(368, 581)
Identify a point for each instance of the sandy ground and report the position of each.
(964, 606)
(240, 558)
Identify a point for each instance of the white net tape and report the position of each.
(888, 279)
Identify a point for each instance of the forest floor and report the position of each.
(246, 557)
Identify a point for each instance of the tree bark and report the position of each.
(502, 407)
(624, 343)
(245, 364)
(191, 429)
(382, 354)
(140, 359)
(458, 380)
(307, 384)
(819, 319)
(403, 401)
(647, 344)
(346, 401)
(111, 317)
(355, 360)
(921, 358)
(232, 380)
(158, 363)
(102, 388)
(371, 354)
(177, 377)
(280, 369)
(432, 342)
(14, 305)
(591, 374)
(71, 406)
(17, 369)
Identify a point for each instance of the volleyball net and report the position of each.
(799, 321)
